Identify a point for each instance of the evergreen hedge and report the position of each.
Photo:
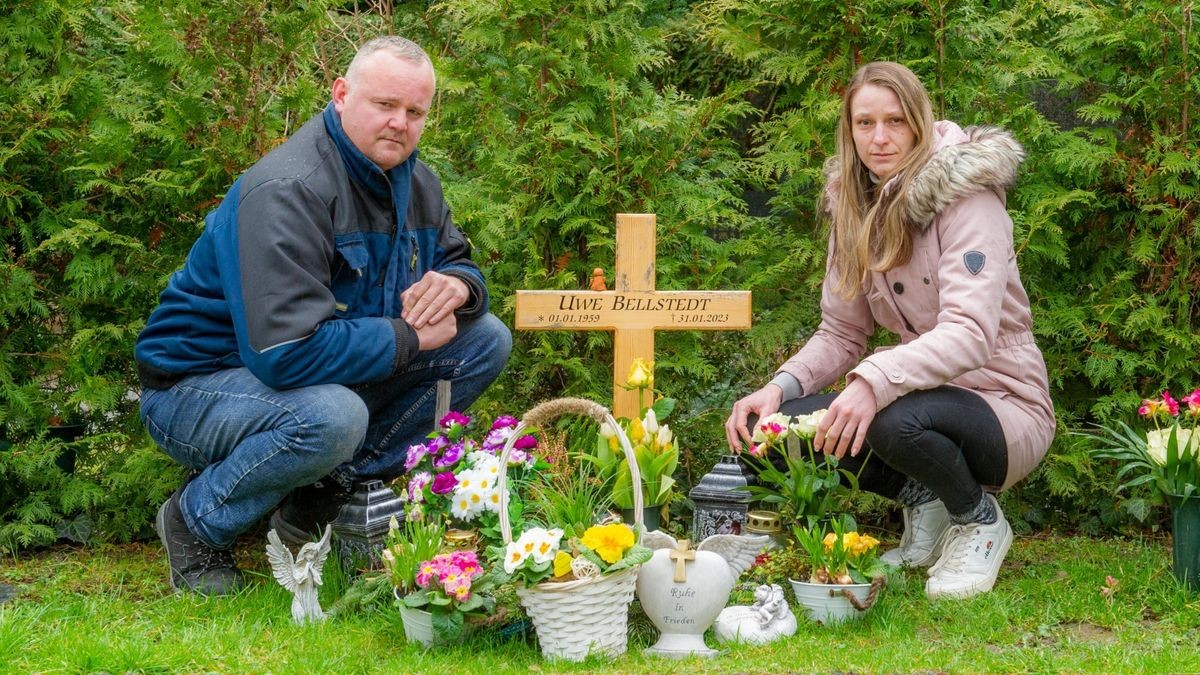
(125, 121)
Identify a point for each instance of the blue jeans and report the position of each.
(251, 445)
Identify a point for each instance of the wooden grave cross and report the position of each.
(633, 310)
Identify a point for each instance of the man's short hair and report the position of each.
(401, 48)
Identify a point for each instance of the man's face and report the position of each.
(384, 106)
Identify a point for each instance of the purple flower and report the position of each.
(494, 441)
(444, 483)
(504, 421)
(415, 454)
(416, 487)
(449, 456)
(453, 417)
(526, 442)
(436, 444)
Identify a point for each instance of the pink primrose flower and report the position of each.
(454, 417)
(504, 421)
(757, 450)
(526, 442)
(444, 483)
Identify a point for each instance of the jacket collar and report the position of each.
(367, 173)
(964, 161)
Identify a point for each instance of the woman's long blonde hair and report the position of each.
(871, 232)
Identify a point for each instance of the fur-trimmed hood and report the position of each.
(964, 161)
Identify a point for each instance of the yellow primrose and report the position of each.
(829, 540)
(562, 563)
(609, 541)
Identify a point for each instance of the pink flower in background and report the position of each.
(1192, 401)
(525, 442)
(1171, 403)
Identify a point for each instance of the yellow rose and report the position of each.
(641, 374)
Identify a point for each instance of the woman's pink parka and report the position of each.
(957, 305)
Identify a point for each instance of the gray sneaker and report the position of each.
(921, 543)
(195, 566)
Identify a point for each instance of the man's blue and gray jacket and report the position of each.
(298, 273)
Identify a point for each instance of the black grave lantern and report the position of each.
(720, 506)
(361, 526)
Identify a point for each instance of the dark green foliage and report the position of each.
(125, 121)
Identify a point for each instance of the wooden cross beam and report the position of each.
(633, 310)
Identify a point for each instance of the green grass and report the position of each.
(109, 608)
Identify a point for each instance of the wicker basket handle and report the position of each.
(538, 416)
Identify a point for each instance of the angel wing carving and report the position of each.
(656, 539)
(283, 565)
(738, 550)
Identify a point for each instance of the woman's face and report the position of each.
(882, 135)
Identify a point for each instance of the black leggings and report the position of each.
(948, 439)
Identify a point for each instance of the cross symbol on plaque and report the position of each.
(681, 554)
(633, 310)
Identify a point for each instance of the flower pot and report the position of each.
(829, 604)
(1185, 539)
(651, 516)
(418, 626)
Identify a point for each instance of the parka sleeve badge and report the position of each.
(974, 261)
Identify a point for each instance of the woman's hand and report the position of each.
(844, 427)
(763, 402)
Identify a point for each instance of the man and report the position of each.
(297, 350)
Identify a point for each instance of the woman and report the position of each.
(921, 244)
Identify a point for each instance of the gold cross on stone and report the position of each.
(633, 310)
(681, 554)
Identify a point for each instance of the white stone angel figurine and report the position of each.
(301, 575)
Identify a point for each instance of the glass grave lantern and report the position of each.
(361, 526)
(720, 507)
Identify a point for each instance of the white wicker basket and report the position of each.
(585, 616)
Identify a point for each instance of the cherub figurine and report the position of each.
(301, 575)
(769, 618)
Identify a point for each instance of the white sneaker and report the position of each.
(971, 558)
(921, 543)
